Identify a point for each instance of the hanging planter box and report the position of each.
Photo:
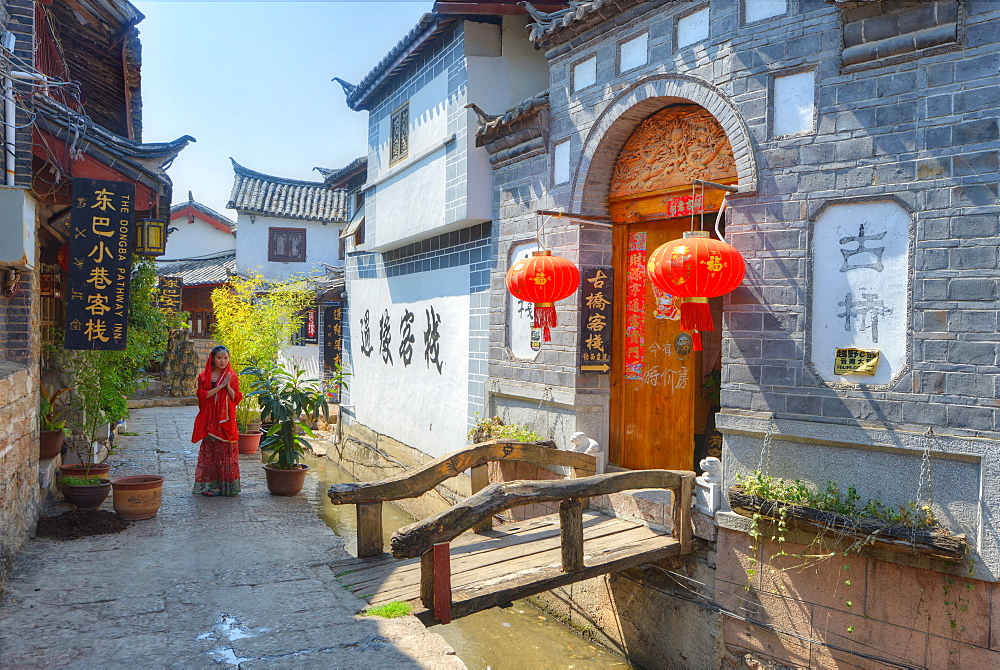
(937, 543)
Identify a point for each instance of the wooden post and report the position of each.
(427, 579)
(682, 512)
(442, 582)
(480, 480)
(369, 529)
(571, 534)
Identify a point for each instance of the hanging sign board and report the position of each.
(855, 361)
(100, 264)
(596, 303)
(332, 341)
(171, 289)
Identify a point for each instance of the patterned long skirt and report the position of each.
(218, 470)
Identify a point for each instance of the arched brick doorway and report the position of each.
(658, 383)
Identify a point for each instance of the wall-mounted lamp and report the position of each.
(151, 237)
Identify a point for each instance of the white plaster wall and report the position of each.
(693, 27)
(411, 202)
(529, 71)
(304, 357)
(886, 289)
(794, 103)
(519, 318)
(416, 404)
(194, 240)
(322, 246)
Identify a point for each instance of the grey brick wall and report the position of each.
(924, 130)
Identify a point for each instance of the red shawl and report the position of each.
(216, 415)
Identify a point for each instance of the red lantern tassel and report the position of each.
(545, 318)
(696, 316)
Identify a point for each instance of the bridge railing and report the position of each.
(430, 538)
(369, 496)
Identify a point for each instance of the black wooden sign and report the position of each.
(332, 337)
(171, 291)
(594, 346)
(100, 264)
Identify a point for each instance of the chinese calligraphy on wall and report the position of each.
(860, 279)
(171, 290)
(595, 320)
(100, 264)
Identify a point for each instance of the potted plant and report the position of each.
(285, 397)
(53, 429)
(137, 496)
(248, 423)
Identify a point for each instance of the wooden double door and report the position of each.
(656, 379)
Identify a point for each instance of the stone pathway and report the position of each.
(208, 582)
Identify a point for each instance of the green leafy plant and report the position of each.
(832, 499)
(284, 397)
(256, 317)
(392, 610)
(103, 380)
(81, 481)
(50, 410)
(247, 411)
(496, 429)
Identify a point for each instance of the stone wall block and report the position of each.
(972, 289)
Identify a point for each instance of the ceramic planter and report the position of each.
(249, 442)
(87, 497)
(99, 470)
(285, 482)
(49, 444)
(138, 496)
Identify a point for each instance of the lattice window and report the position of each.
(286, 245)
(399, 142)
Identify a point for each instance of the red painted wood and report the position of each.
(442, 582)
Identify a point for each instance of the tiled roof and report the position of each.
(331, 176)
(409, 48)
(259, 193)
(560, 26)
(200, 271)
(491, 125)
(203, 209)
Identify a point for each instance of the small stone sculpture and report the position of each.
(712, 467)
(586, 445)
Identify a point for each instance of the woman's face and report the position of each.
(221, 359)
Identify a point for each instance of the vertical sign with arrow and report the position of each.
(594, 346)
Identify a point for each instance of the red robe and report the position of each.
(217, 415)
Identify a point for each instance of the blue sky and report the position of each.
(252, 80)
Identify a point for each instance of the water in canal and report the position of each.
(519, 637)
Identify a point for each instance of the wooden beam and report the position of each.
(442, 582)
(411, 541)
(480, 480)
(427, 579)
(369, 530)
(418, 481)
(571, 534)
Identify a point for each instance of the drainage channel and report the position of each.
(520, 637)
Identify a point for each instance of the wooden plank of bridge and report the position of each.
(480, 480)
(517, 564)
(369, 529)
(399, 587)
(526, 539)
(571, 534)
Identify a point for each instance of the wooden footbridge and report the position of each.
(449, 573)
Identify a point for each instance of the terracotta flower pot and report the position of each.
(254, 427)
(285, 482)
(249, 442)
(49, 444)
(138, 496)
(99, 470)
(87, 497)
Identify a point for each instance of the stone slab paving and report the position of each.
(208, 582)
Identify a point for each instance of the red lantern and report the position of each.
(696, 268)
(543, 279)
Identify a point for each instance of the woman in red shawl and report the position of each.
(218, 470)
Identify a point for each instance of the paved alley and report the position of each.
(208, 582)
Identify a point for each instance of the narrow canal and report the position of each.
(520, 637)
